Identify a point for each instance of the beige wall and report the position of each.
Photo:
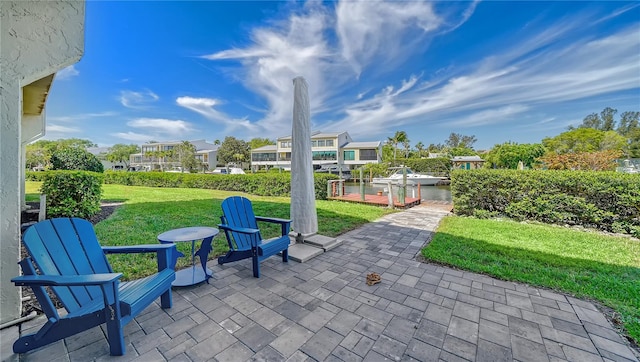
(37, 40)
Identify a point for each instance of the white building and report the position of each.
(326, 148)
(206, 153)
(39, 38)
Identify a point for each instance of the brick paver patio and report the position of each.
(323, 310)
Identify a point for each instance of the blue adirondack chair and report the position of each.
(70, 261)
(240, 226)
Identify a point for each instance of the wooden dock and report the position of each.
(378, 200)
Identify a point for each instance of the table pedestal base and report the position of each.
(190, 276)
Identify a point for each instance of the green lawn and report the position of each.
(149, 211)
(586, 264)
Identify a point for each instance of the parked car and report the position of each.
(228, 171)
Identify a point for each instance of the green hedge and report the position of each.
(608, 201)
(262, 184)
(72, 193)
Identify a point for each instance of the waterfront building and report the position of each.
(326, 148)
(154, 156)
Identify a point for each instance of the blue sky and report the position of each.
(500, 70)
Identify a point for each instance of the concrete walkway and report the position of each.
(323, 310)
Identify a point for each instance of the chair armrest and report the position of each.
(66, 280)
(165, 252)
(285, 224)
(273, 219)
(148, 248)
(238, 229)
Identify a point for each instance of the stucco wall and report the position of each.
(37, 40)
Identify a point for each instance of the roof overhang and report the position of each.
(34, 95)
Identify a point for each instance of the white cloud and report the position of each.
(527, 71)
(81, 116)
(205, 107)
(67, 73)
(56, 128)
(536, 73)
(384, 31)
(329, 47)
(134, 137)
(156, 129)
(161, 125)
(490, 116)
(137, 100)
(294, 47)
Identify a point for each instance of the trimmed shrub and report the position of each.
(608, 201)
(73, 158)
(263, 184)
(72, 193)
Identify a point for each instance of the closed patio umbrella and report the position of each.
(303, 201)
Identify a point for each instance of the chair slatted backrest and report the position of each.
(238, 212)
(67, 246)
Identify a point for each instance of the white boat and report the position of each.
(413, 178)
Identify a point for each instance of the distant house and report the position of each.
(467, 162)
(101, 153)
(206, 153)
(326, 148)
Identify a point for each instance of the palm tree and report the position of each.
(399, 137)
(419, 147)
(407, 148)
(394, 143)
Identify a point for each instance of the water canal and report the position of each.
(436, 193)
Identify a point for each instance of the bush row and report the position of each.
(72, 193)
(608, 201)
(263, 184)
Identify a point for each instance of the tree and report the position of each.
(436, 148)
(391, 141)
(419, 147)
(576, 140)
(230, 147)
(399, 138)
(603, 121)
(462, 151)
(456, 140)
(592, 161)
(613, 141)
(630, 127)
(121, 152)
(73, 158)
(508, 155)
(591, 121)
(608, 123)
(75, 142)
(163, 156)
(629, 121)
(407, 147)
(38, 154)
(387, 153)
(259, 142)
(185, 154)
(583, 140)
